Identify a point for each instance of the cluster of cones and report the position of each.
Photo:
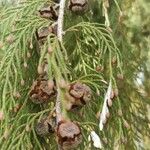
(76, 95)
(68, 133)
(50, 12)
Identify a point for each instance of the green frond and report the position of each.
(92, 53)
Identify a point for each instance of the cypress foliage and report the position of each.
(82, 86)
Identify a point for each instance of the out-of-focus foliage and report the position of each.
(137, 21)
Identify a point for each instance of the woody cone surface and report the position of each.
(41, 92)
(69, 135)
(78, 6)
(45, 126)
(81, 94)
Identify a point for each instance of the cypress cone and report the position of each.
(45, 126)
(41, 92)
(68, 135)
(78, 6)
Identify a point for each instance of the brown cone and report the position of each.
(81, 93)
(69, 135)
(45, 126)
(43, 32)
(41, 92)
(78, 6)
(49, 12)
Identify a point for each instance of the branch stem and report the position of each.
(61, 19)
(60, 36)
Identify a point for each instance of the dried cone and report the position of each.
(81, 94)
(69, 135)
(41, 91)
(43, 32)
(49, 12)
(99, 68)
(45, 126)
(10, 39)
(78, 6)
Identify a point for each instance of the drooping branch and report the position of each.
(60, 35)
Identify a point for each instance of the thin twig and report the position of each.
(61, 20)
(58, 107)
(59, 35)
